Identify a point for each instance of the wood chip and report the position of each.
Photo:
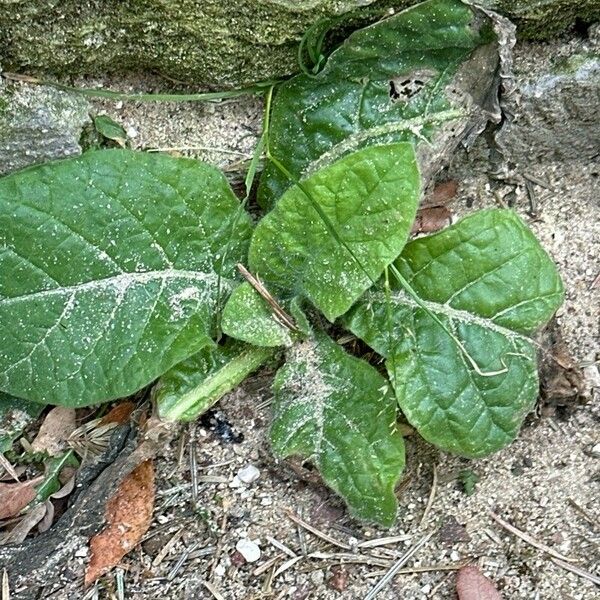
(128, 517)
(472, 584)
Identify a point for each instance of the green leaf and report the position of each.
(110, 129)
(488, 280)
(337, 411)
(469, 480)
(190, 388)
(110, 266)
(15, 415)
(329, 238)
(53, 468)
(247, 317)
(427, 74)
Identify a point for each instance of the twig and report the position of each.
(431, 497)
(527, 538)
(584, 514)
(213, 590)
(267, 565)
(427, 569)
(5, 586)
(258, 285)
(574, 569)
(316, 532)
(5, 464)
(173, 572)
(200, 148)
(385, 580)
(193, 464)
(363, 559)
(281, 546)
(219, 548)
(167, 547)
(286, 565)
(120, 579)
(384, 541)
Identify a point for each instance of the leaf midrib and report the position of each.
(125, 279)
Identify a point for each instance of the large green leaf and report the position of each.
(428, 74)
(337, 411)
(190, 388)
(110, 271)
(329, 238)
(489, 282)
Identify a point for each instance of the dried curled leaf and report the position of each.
(58, 425)
(14, 497)
(128, 517)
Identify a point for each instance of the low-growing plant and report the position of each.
(121, 268)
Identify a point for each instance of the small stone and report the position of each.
(454, 556)
(339, 579)
(317, 577)
(248, 474)
(595, 451)
(266, 501)
(237, 560)
(248, 549)
(220, 570)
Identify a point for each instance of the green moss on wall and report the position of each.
(215, 43)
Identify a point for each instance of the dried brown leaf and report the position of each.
(128, 517)
(431, 219)
(118, 414)
(19, 532)
(441, 194)
(472, 584)
(14, 497)
(58, 425)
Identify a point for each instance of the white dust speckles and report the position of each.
(305, 388)
(178, 301)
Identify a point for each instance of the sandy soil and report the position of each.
(547, 483)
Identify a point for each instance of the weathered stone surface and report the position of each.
(214, 43)
(556, 103)
(38, 124)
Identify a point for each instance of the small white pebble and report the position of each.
(220, 570)
(317, 577)
(248, 549)
(248, 474)
(235, 482)
(454, 556)
(266, 501)
(81, 552)
(132, 132)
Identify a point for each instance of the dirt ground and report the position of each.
(547, 483)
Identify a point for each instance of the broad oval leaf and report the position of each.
(191, 387)
(330, 237)
(337, 411)
(489, 281)
(111, 264)
(427, 75)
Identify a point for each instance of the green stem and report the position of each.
(198, 400)
(258, 88)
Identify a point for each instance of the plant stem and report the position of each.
(198, 400)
